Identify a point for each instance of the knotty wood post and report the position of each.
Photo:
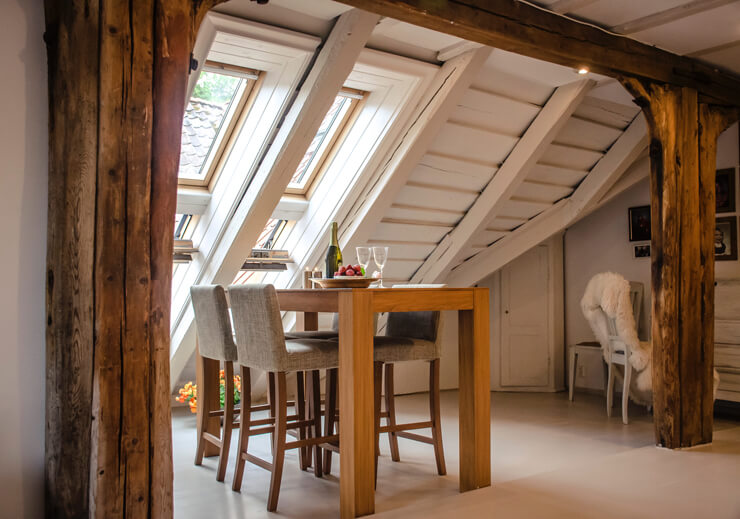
(117, 81)
(683, 137)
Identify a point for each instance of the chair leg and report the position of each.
(610, 390)
(281, 419)
(573, 362)
(202, 425)
(314, 410)
(271, 402)
(626, 391)
(245, 417)
(390, 407)
(228, 423)
(331, 411)
(377, 388)
(304, 452)
(434, 413)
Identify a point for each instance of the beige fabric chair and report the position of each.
(215, 344)
(261, 344)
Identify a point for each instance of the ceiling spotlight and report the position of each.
(583, 70)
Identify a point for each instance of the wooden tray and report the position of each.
(344, 282)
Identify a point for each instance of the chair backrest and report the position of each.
(636, 293)
(215, 337)
(260, 340)
(416, 325)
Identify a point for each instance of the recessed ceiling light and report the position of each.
(583, 70)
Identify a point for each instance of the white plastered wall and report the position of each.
(23, 191)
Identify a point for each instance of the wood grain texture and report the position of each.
(117, 78)
(356, 434)
(526, 29)
(475, 396)
(683, 134)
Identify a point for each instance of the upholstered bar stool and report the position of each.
(410, 336)
(215, 345)
(261, 344)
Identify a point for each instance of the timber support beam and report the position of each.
(683, 135)
(117, 84)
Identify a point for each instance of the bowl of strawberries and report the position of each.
(348, 276)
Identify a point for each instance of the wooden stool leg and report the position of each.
(304, 452)
(434, 413)
(245, 417)
(207, 382)
(390, 407)
(331, 411)
(314, 409)
(271, 402)
(281, 422)
(378, 381)
(228, 422)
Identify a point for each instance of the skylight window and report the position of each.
(210, 117)
(324, 141)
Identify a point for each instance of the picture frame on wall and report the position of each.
(642, 251)
(639, 223)
(725, 190)
(725, 238)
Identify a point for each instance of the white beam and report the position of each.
(435, 107)
(332, 66)
(568, 6)
(327, 75)
(617, 160)
(668, 15)
(456, 49)
(527, 151)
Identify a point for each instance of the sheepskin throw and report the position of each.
(607, 296)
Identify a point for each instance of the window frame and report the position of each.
(236, 113)
(319, 164)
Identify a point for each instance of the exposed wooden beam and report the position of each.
(117, 83)
(527, 151)
(333, 64)
(683, 153)
(668, 15)
(525, 29)
(448, 86)
(611, 166)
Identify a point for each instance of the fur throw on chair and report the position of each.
(607, 295)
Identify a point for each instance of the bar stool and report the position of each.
(262, 344)
(215, 345)
(410, 336)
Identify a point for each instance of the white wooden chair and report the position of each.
(618, 353)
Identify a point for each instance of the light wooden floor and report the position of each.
(551, 458)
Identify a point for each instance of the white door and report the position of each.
(525, 357)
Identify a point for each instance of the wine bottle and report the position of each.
(334, 254)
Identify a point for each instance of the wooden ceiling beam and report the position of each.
(531, 31)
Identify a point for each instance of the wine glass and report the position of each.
(363, 257)
(380, 254)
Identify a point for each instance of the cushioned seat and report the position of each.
(400, 349)
(318, 334)
(310, 354)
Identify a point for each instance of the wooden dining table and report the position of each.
(357, 432)
(356, 403)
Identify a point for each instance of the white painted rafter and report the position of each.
(602, 177)
(527, 151)
(668, 15)
(446, 89)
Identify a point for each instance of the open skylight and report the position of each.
(323, 142)
(218, 97)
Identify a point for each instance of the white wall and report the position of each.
(600, 242)
(23, 188)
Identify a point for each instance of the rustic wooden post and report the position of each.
(683, 137)
(117, 80)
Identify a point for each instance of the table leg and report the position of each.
(206, 376)
(356, 434)
(475, 394)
